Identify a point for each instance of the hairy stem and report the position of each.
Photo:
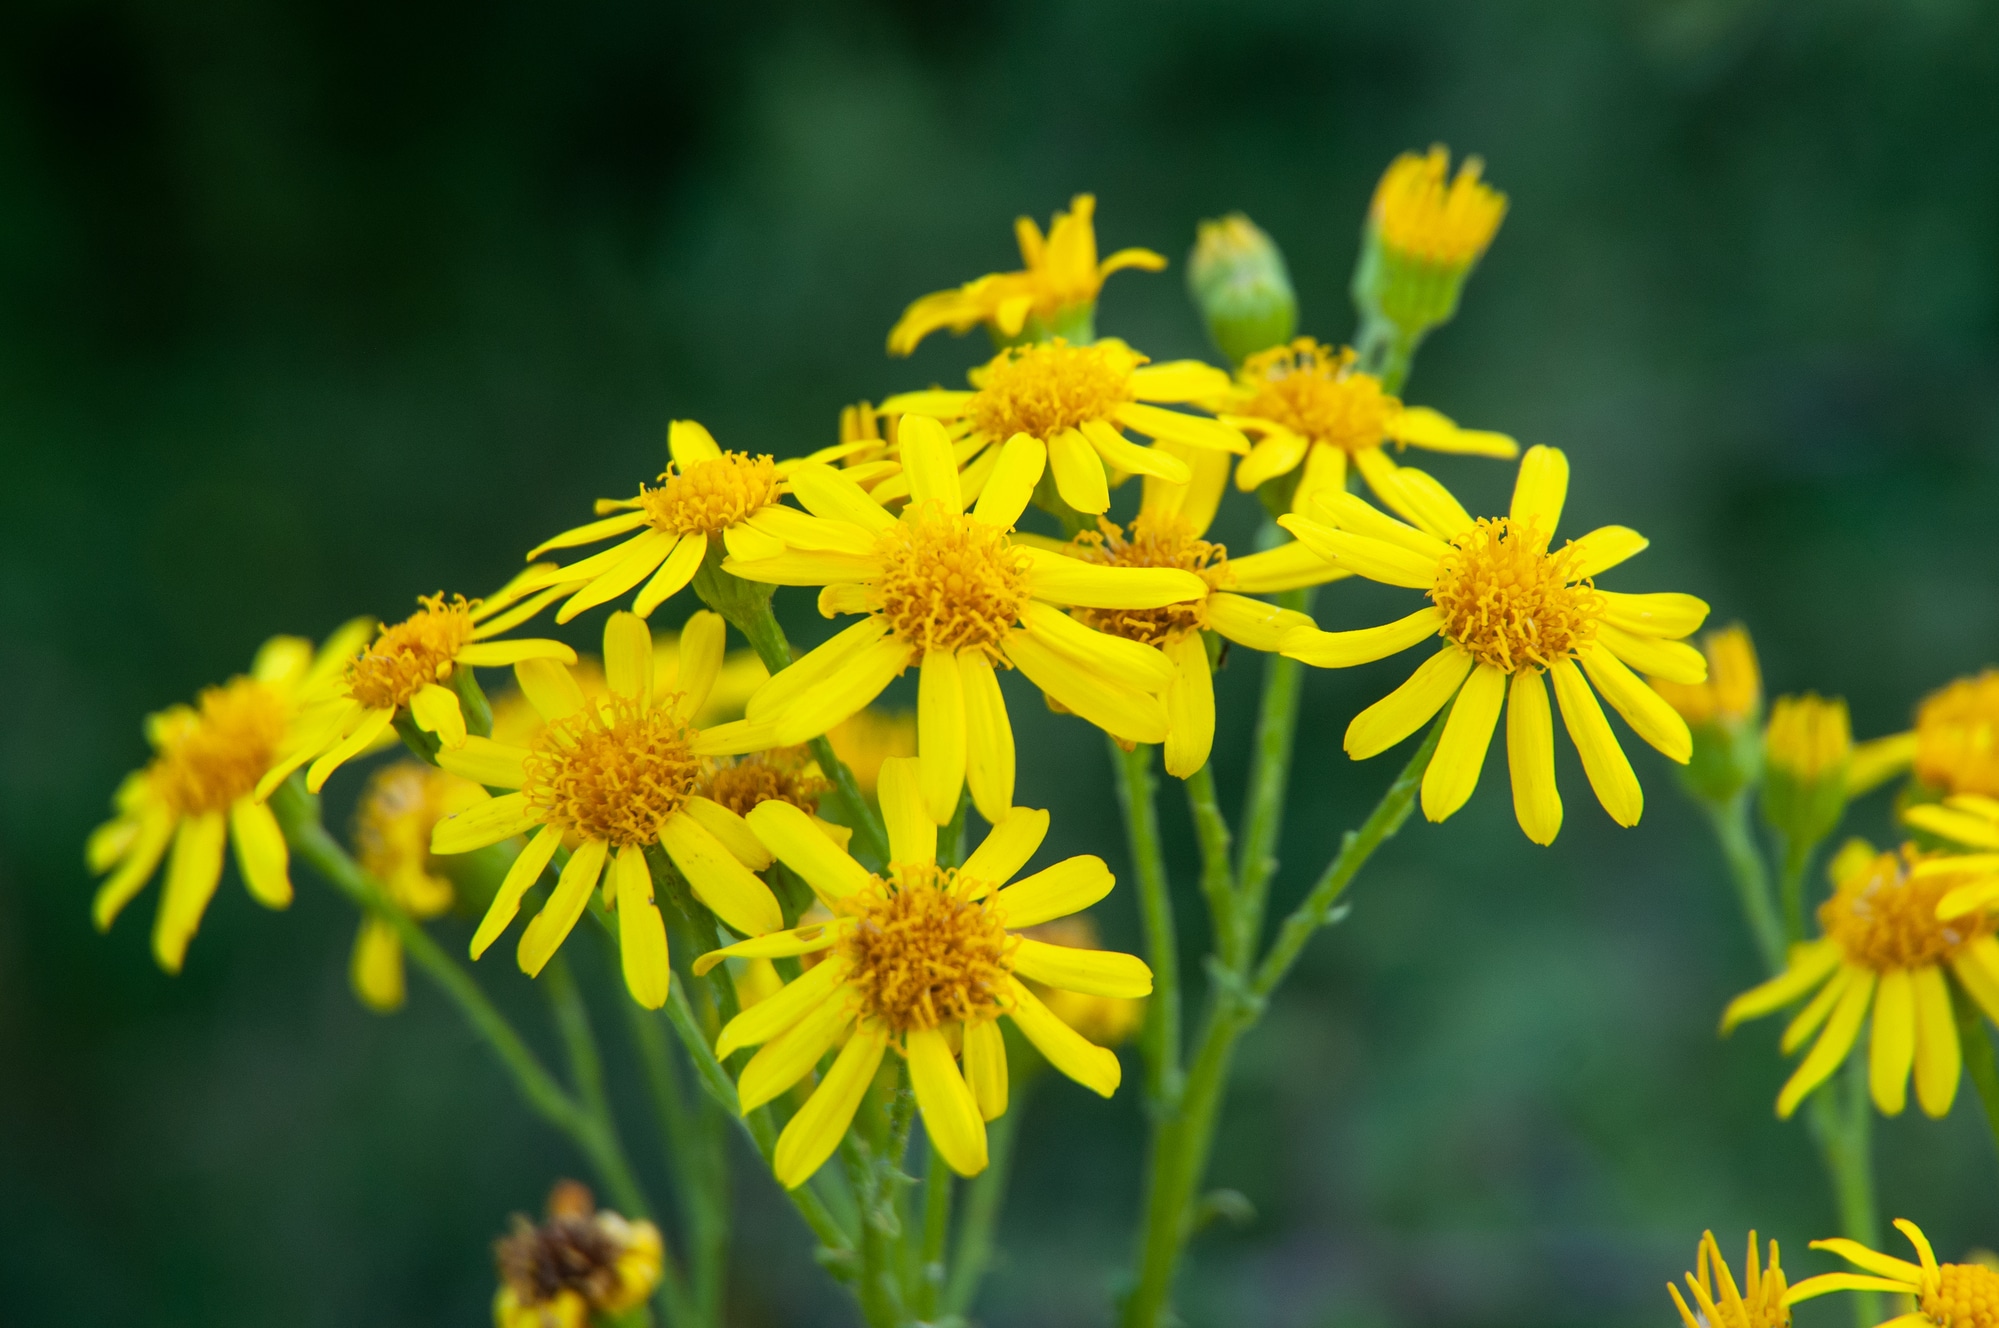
(1269, 784)
(1211, 830)
(1160, 1041)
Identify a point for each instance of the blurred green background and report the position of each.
(307, 309)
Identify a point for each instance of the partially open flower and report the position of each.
(1720, 1303)
(581, 1260)
(399, 809)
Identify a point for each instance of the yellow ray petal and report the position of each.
(156, 831)
(1829, 1052)
(525, 871)
(774, 1014)
(809, 939)
(591, 532)
(1348, 511)
(638, 557)
(912, 834)
(1666, 614)
(1091, 972)
(1414, 495)
(1252, 622)
(193, 871)
(985, 1067)
(1063, 580)
(1824, 1282)
(1120, 453)
(1541, 488)
(927, 461)
(812, 1135)
(940, 734)
(1340, 650)
(802, 567)
(549, 928)
(373, 724)
(549, 688)
(813, 668)
(794, 1052)
(1011, 485)
(825, 492)
(1939, 1055)
(1644, 709)
(1178, 380)
(1892, 1044)
(484, 823)
(1454, 769)
(1604, 762)
(1118, 709)
(1674, 661)
(1419, 426)
(1530, 758)
(641, 931)
(1377, 560)
(376, 968)
(1095, 1068)
(1278, 452)
(989, 752)
(1289, 566)
(951, 1116)
(1173, 426)
(1881, 1265)
(1015, 836)
(717, 879)
(1410, 706)
(801, 530)
(1810, 965)
(1070, 886)
(483, 761)
(675, 571)
(1140, 665)
(1190, 707)
(789, 832)
(628, 657)
(1079, 472)
(261, 855)
(689, 442)
(1807, 1021)
(731, 830)
(1606, 547)
(501, 654)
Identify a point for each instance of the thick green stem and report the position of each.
(1385, 348)
(983, 1204)
(1181, 1147)
(1160, 1041)
(1979, 1063)
(872, 1153)
(1211, 830)
(1269, 785)
(1734, 831)
(1840, 1117)
(930, 1268)
(1791, 884)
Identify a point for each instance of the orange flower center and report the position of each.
(1885, 919)
(214, 754)
(1165, 540)
(1509, 601)
(776, 776)
(411, 654)
(1967, 1296)
(1957, 736)
(1044, 389)
(925, 951)
(710, 496)
(949, 581)
(615, 770)
(1316, 393)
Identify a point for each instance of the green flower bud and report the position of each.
(1238, 280)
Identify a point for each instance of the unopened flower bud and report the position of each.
(1806, 751)
(1242, 287)
(1425, 232)
(1722, 714)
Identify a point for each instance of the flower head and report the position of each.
(1957, 737)
(200, 791)
(1888, 940)
(1720, 1303)
(1056, 290)
(1073, 402)
(582, 1260)
(954, 592)
(923, 959)
(1425, 232)
(1947, 1295)
(870, 737)
(1312, 413)
(1512, 608)
(615, 774)
(1733, 693)
(1807, 749)
(399, 808)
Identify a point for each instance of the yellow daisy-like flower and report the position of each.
(615, 773)
(787, 774)
(1167, 532)
(924, 959)
(1719, 1303)
(1947, 1295)
(1074, 402)
(399, 808)
(1059, 282)
(1422, 213)
(953, 591)
(1954, 747)
(404, 671)
(1512, 610)
(200, 792)
(1306, 404)
(1885, 945)
(705, 495)
(1733, 692)
(580, 1262)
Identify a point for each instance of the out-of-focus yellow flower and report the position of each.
(785, 774)
(1719, 1303)
(1885, 946)
(1425, 232)
(1055, 292)
(1733, 692)
(581, 1260)
(867, 739)
(399, 808)
(1807, 749)
(1947, 1295)
(1238, 279)
(1108, 1021)
(1954, 747)
(199, 792)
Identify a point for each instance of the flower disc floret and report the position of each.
(1511, 603)
(215, 754)
(1966, 1296)
(1314, 391)
(412, 653)
(1154, 539)
(925, 952)
(1042, 390)
(1885, 918)
(950, 581)
(779, 776)
(709, 496)
(1957, 736)
(614, 771)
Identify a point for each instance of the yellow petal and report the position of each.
(718, 880)
(156, 831)
(1604, 761)
(748, 542)
(261, 855)
(501, 654)
(675, 571)
(812, 1135)
(689, 442)
(790, 1054)
(801, 567)
(1079, 473)
(1095, 1068)
(551, 927)
(1178, 380)
(927, 461)
(1419, 426)
(1377, 560)
(1140, 665)
(1010, 487)
(809, 939)
(825, 492)
(373, 724)
(1606, 547)
(1829, 1052)
(774, 1014)
(1120, 710)
(1278, 452)
(1015, 836)
(985, 1067)
(989, 753)
(1086, 585)
(1414, 495)
(628, 657)
(1340, 650)
(1674, 661)
(1348, 511)
(591, 532)
(484, 823)
(1643, 708)
(800, 530)
(732, 830)
(1664, 614)
(1325, 472)
(1806, 1022)
(483, 761)
(525, 871)
(1091, 972)
(193, 871)
(950, 1115)
(1530, 758)
(912, 834)
(1070, 886)
(641, 931)
(1253, 623)
(638, 557)
(1410, 706)
(702, 641)
(789, 833)
(1892, 1045)
(940, 733)
(1454, 769)
(813, 668)
(1881, 1265)
(1541, 488)
(1190, 706)
(435, 710)
(376, 968)
(549, 688)
(1938, 1055)
(1173, 426)
(839, 698)
(1120, 453)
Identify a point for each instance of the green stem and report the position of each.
(1269, 783)
(983, 1203)
(1791, 885)
(1160, 1041)
(1733, 829)
(1840, 1118)
(694, 1146)
(1979, 1062)
(930, 1269)
(1181, 1148)
(872, 1153)
(1385, 348)
(1211, 830)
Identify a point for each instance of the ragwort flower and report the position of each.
(1511, 610)
(616, 772)
(1074, 402)
(581, 1261)
(924, 959)
(1056, 290)
(1720, 1303)
(200, 792)
(1947, 1295)
(399, 808)
(1895, 924)
(1306, 405)
(954, 592)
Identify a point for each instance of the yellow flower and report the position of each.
(399, 808)
(705, 494)
(1884, 944)
(1758, 1303)
(616, 773)
(1950, 1295)
(1807, 753)
(1059, 283)
(404, 671)
(1733, 692)
(788, 774)
(1108, 1021)
(582, 1260)
(515, 721)
(953, 591)
(1954, 747)
(870, 737)
(1073, 402)
(1306, 404)
(1420, 213)
(1167, 532)
(200, 791)
(1511, 609)
(924, 959)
